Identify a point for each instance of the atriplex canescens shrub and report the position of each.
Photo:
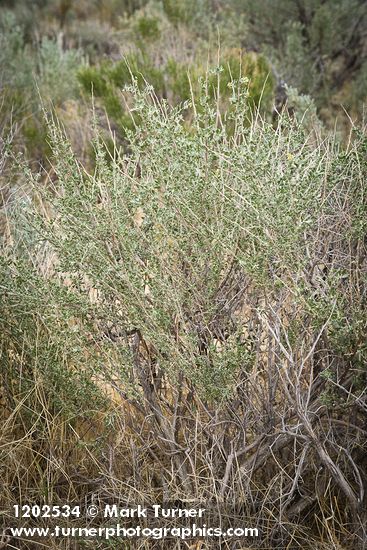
(215, 277)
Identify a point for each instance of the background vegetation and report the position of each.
(183, 270)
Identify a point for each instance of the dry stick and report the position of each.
(297, 476)
(325, 458)
(334, 470)
(227, 473)
(162, 422)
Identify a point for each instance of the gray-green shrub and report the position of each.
(215, 277)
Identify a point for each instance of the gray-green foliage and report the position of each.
(13, 54)
(317, 46)
(24, 67)
(166, 238)
(177, 81)
(57, 71)
(29, 72)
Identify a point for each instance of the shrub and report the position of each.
(29, 72)
(148, 28)
(317, 47)
(176, 81)
(215, 279)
